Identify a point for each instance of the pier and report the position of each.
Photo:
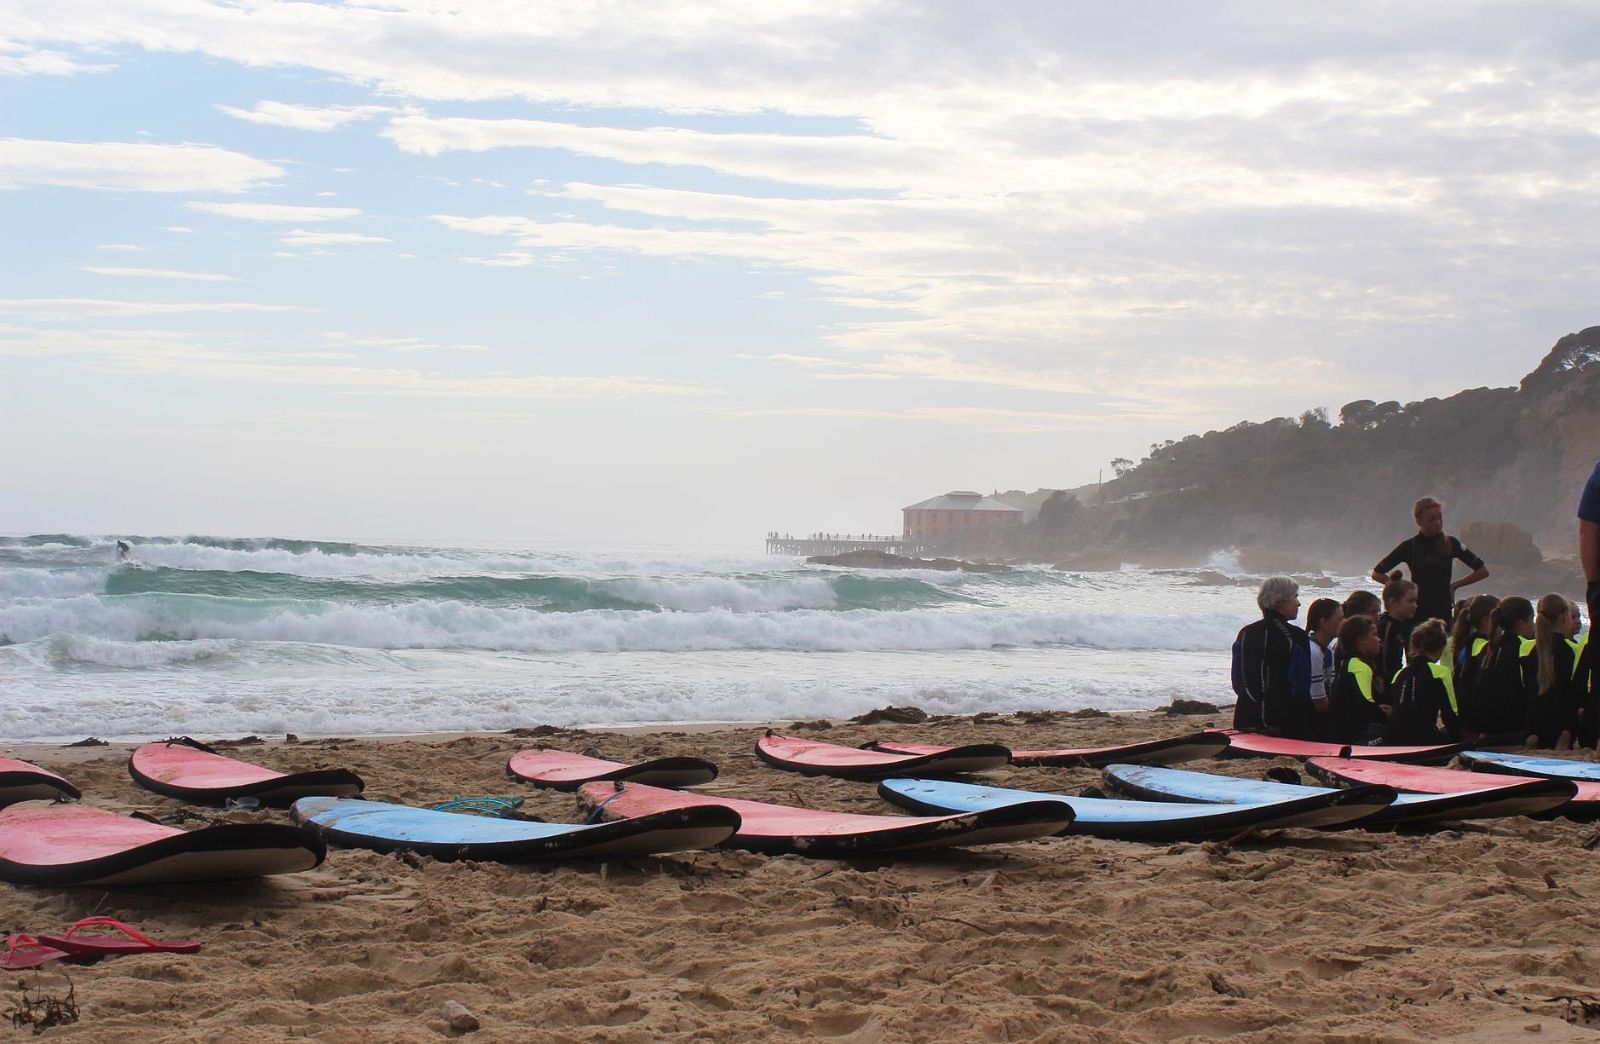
(835, 544)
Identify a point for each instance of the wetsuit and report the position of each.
(1272, 677)
(1589, 511)
(1468, 662)
(1554, 710)
(1501, 689)
(1431, 560)
(1353, 714)
(1394, 635)
(1422, 694)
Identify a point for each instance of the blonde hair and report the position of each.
(1423, 506)
(1552, 608)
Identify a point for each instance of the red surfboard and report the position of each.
(56, 844)
(1428, 779)
(813, 758)
(21, 781)
(191, 771)
(1170, 751)
(559, 770)
(1257, 745)
(779, 829)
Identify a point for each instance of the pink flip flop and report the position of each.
(24, 951)
(132, 940)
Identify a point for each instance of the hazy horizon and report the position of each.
(487, 273)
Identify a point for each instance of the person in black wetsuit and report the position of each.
(1554, 706)
(1503, 682)
(1272, 666)
(1431, 556)
(1424, 693)
(1356, 707)
(1468, 640)
(1394, 626)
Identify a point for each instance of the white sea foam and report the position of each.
(458, 625)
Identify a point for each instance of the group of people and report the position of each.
(1417, 666)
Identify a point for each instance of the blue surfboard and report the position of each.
(1145, 820)
(383, 827)
(1530, 765)
(1166, 784)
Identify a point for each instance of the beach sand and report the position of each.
(1479, 932)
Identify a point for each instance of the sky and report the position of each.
(486, 270)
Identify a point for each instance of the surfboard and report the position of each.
(191, 771)
(384, 827)
(1428, 779)
(1254, 744)
(1158, 821)
(1530, 765)
(814, 758)
(1168, 784)
(559, 770)
(1169, 751)
(785, 829)
(58, 844)
(22, 781)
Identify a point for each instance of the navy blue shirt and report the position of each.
(1589, 506)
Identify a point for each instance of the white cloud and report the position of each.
(305, 237)
(21, 60)
(275, 211)
(72, 309)
(303, 117)
(176, 228)
(179, 354)
(121, 248)
(130, 166)
(161, 273)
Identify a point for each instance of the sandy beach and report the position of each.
(1481, 932)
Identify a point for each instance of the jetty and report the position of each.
(836, 544)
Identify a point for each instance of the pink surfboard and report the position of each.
(778, 829)
(57, 844)
(22, 781)
(191, 771)
(559, 770)
(813, 758)
(1429, 779)
(1170, 751)
(1254, 744)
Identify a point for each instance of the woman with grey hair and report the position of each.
(1272, 666)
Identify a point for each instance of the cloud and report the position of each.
(397, 344)
(20, 60)
(73, 309)
(274, 211)
(121, 248)
(130, 166)
(304, 237)
(169, 353)
(303, 117)
(161, 273)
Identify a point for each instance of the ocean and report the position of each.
(206, 636)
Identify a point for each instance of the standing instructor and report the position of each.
(1431, 555)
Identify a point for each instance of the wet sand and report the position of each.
(1478, 931)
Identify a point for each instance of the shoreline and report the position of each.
(1474, 931)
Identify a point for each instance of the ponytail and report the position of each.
(1427, 639)
(1552, 607)
(1468, 621)
(1510, 612)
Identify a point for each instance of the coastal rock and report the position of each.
(894, 715)
(1501, 543)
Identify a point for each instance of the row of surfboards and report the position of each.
(632, 809)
